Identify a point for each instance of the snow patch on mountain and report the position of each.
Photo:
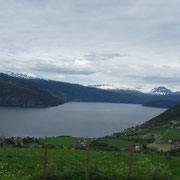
(19, 75)
(145, 89)
(148, 89)
(161, 90)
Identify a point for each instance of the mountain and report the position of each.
(18, 75)
(75, 92)
(20, 94)
(147, 89)
(161, 90)
(78, 93)
(122, 87)
(161, 96)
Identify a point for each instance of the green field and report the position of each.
(118, 143)
(23, 164)
(172, 134)
(61, 141)
(162, 147)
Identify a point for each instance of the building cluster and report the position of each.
(79, 143)
(175, 125)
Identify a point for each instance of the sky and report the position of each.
(133, 42)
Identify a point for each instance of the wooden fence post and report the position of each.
(45, 162)
(87, 160)
(131, 159)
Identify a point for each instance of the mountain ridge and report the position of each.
(20, 94)
(161, 90)
(79, 93)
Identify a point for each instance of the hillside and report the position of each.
(164, 119)
(161, 133)
(14, 93)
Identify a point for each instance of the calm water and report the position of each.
(76, 119)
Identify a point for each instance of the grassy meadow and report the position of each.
(27, 164)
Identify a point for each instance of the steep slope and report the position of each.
(172, 114)
(14, 93)
(162, 133)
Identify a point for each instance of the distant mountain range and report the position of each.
(61, 92)
(160, 90)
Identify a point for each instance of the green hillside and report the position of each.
(161, 133)
(14, 93)
(172, 114)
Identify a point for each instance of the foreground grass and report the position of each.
(17, 164)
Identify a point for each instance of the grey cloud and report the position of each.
(102, 56)
(58, 69)
(49, 65)
(107, 40)
(156, 79)
(162, 80)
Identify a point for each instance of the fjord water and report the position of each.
(75, 119)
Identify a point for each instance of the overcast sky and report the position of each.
(136, 42)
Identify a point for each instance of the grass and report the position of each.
(172, 134)
(162, 147)
(118, 143)
(27, 164)
(61, 141)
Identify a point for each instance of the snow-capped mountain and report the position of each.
(161, 90)
(18, 75)
(147, 89)
(118, 87)
(122, 87)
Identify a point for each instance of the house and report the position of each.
(78, 143)
(35, 145)
(177, 144)
(137, 148)
(174, 122)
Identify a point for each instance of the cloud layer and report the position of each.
(90, 41)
